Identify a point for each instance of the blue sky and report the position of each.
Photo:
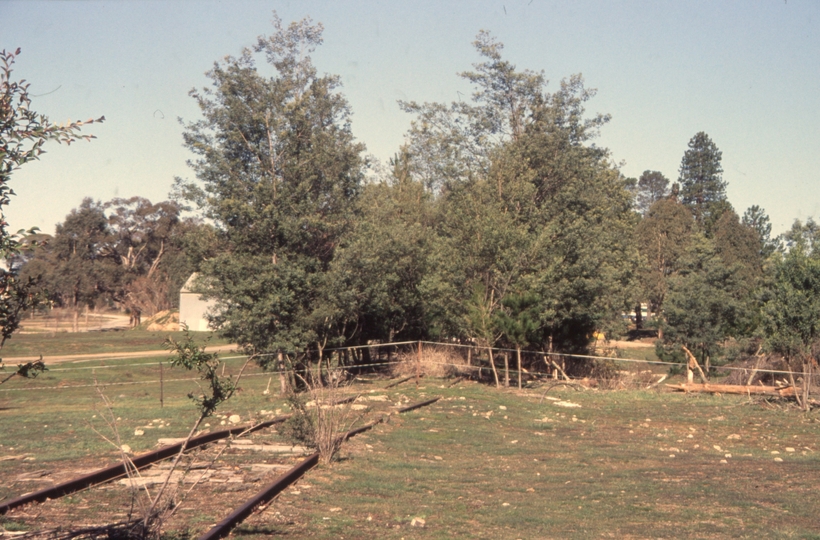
(747, 73)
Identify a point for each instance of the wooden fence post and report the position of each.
(418, 365)
(161, 388)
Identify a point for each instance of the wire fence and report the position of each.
(408, 357)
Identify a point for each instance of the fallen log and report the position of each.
(782, 391)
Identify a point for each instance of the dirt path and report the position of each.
(59, 359)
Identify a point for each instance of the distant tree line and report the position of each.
(128, 253)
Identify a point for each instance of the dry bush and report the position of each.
(756, 370)
(333, 421)
(606, 373)
(322, 422)
(440, 361)
(634, 380)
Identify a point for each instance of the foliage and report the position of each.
(378, 275)
(75, 266)
(756, 219)
(739, 247)
(792, 313)
(126, 251)
(803, 236)
(192, 356)
(323, 422)
(518, 321)
(705, 303)
(148, 239)
(702, 268)
(280, 174)
(526, 203)
(662, 237)
(300, 428)
(23, 132)
(702, 187)
(650, 188)
(28, 370)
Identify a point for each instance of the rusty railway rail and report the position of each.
(140, 462)
(396, 383)
(224, 527)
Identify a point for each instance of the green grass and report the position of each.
(598, 470)
(639, 353)
(68, 343)
(59, 416)
(604, 469)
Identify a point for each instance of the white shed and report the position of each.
(193, 308)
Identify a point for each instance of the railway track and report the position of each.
(140, 462)
(235, 517)
(224, 527)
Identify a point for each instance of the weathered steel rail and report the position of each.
(140, 462)
(396, 383)
(224, 527)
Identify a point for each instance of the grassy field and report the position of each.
(480, 463)
(109, 342)
(488, 464)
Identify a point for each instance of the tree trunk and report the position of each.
(693, 364)
(520, 371)
(506, 370)
(638, 317)
(75, 320)
(418, 366)
(318, 367)
(492, 365)
(280, 366)
(806, 384)
(797, 395)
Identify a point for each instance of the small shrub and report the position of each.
(300, 428)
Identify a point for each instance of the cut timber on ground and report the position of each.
(786, 391)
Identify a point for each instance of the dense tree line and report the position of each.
(500, 222)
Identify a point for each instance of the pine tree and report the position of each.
(651, 187)
(702, 188)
